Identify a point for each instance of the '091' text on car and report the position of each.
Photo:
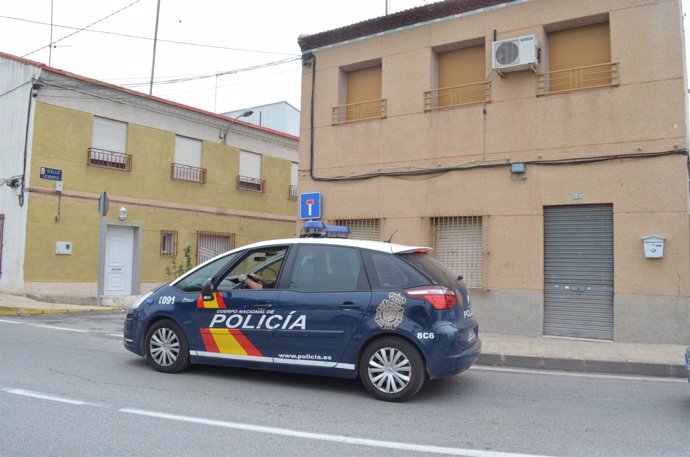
(389, 314)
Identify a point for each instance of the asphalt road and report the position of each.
(69, 388)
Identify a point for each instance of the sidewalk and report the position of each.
(547, 353)
(18, 304)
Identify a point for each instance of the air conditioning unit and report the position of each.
(515, 54)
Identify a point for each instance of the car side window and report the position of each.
(320, 268)
(264, 263)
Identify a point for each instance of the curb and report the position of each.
(25, 311)
(583, 365)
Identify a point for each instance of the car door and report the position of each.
(326, 297)
(235, 324)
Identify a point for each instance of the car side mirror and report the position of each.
(207, 289)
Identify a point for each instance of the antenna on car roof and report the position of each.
(391, 238)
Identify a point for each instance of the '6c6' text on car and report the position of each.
(389, 314)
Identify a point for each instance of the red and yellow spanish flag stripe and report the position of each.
(215, 302)
(228, 341)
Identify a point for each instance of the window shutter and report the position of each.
(250, 164)
(579, 47)
(461, 66)
(188, 151)
(364, 85)
(109, 135)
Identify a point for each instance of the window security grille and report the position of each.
(210, 244)
(168, 242)
(458, 244)
(362, 229)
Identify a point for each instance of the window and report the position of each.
(293, 191)
(328, 268)
(168, 242)
(457, 243)
(362, 229)
(193, 281)
(387, 271)
(461, 79)
(265, 262)
(211, 244)
(250, 172)
(579, 58)
(363, 96)
(187, 163)
(109, 145)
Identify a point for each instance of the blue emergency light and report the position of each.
(318, 229)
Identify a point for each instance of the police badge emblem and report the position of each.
(389, 313)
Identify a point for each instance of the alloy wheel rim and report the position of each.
(164, 347)
(389, 370)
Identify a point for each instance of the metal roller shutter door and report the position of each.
(578, 271)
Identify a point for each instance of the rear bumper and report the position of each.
(456, 354)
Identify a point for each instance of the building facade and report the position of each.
(106, 187)
(536, 145)
(280, 116)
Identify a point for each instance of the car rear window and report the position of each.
(387, 271)
(431, 267)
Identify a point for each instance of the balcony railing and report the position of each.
(250, 184)
(108, 159)
(466, 94)
(373, 109)
(293, 192)
(582, 78)
(186, 173)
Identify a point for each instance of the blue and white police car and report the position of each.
(389, 314)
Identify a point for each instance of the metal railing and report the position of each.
(250, 184)
(293, 192)
(108, 159)
(581, 78)
(373, 109)
(466, 94)
(186, 173)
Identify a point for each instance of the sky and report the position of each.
(207, 52)
(214, 46)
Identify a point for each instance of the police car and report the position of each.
(389, 314)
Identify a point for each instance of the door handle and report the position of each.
(350, 305)
(264, 305)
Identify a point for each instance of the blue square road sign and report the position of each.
(310, 205)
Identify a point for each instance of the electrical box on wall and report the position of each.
(63, 247)
(653, 247)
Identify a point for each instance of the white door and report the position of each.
(118, 261)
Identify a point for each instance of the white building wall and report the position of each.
(15, 99)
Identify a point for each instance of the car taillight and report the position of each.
(439, 297)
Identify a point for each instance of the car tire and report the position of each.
(166, 347)
(392, 369)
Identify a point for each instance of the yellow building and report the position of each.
(537, 145)
(170, 176)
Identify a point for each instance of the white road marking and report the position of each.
(65, 329)
(43, 396)
(579, 374)
(325, 437)
(7, 321)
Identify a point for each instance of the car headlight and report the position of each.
(141, 300)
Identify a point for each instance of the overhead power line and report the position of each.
(83, 28)
(138, 37)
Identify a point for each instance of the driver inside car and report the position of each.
(254, 281)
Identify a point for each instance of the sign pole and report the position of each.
(103, 205)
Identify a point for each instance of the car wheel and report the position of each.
(392, 369)
(166, 347)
